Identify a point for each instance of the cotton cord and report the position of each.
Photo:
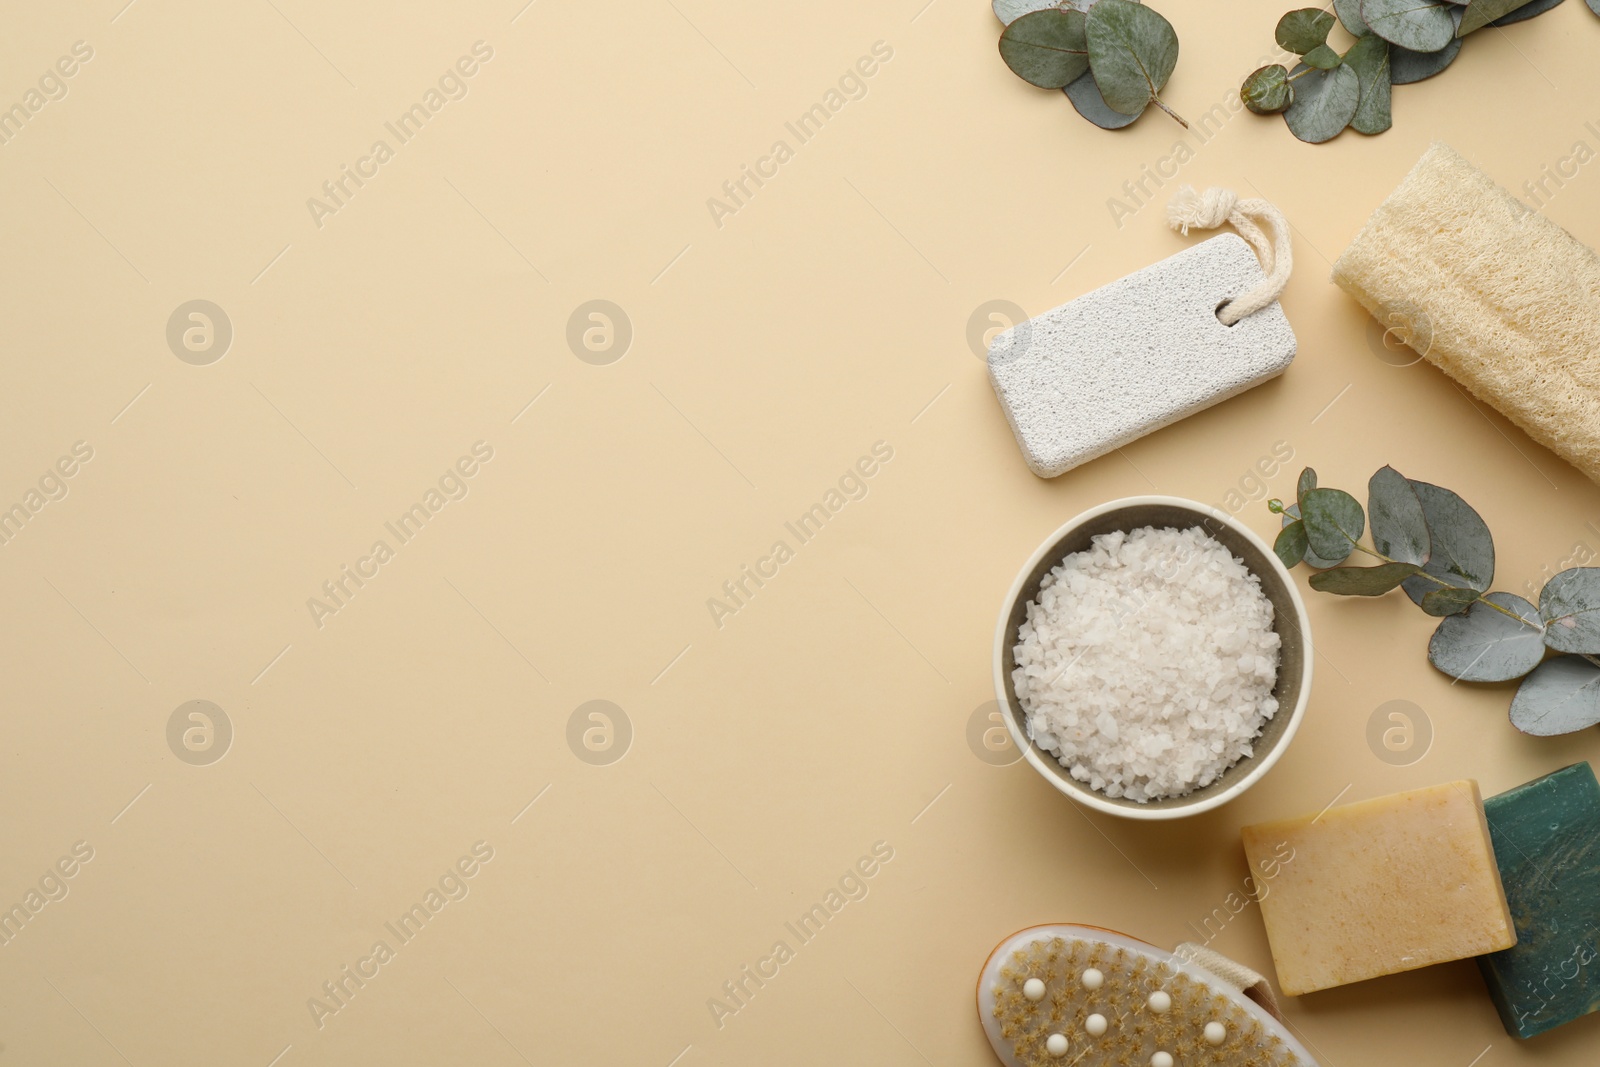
(1212, 208)
(1237, 975)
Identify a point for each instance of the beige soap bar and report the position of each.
(1379, 887)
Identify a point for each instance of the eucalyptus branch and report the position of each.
(1113, 57)
(1397, 42)
(1433, 545)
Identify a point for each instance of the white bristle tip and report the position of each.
(1033, 989)
(1161, 1059)
(1093, 979)
(1056, 1044)
(1095, 1024)
(1216, 1033)
(1160, 1002)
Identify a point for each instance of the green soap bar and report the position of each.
(1546, 838)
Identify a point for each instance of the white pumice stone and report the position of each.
(1216, 1033)
(1093, 979)
(1095, 1024)
(1160, 1002)
(1133, 356)
(1033, 989)
(1056, 1044)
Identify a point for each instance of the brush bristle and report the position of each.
(1134, 1032)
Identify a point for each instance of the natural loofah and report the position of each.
(1494, 294)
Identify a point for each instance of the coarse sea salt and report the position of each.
(1146, 663)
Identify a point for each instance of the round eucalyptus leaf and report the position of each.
(1086, 98)
(1302, 30)
(1462, 551)
(1525, 11)
(1349, 12)
(1420, 25)
(1290, 547)
(1479, 13)
(1594, 5)
(1306, 483)
(1046, 48)
(1369, 58)
(1406, 66)
(1570, 604)
(1363, 581)
(1009, 11)
(1132, 51)
(1334, 522)
(1448, 600)
(1292, 514)
(1485, 645)
(1324, 103)
(1399, 528)
(1322, 58)
(1561, 695)
(1267, 91)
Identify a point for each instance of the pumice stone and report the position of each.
(1138, 354)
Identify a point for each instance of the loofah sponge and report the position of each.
(1492, 293)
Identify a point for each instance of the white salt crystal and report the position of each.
(1146, 663)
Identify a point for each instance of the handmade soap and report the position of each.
(1547, 841)
(1380, 886)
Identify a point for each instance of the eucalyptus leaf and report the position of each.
(1292, 514)
(1306, 483)
(1480, 13)
(1349, 12)
(1594, 5)
(1046, 48)
(1334, 522)
(1561, 695)
(1399, 528)
(1420, 25)
(1267, 91)
(1290, 546)
(1009, 11)
(1406, 66)
(1086, 98)
(1570, 604)
(1486, 645)
(1322, 58)
(1448, 600)
(1324, 103)
(1363, 581)
(1304, 29)
(1132, 51)
(1528, 11)
(1462, 552)
(1369, 58)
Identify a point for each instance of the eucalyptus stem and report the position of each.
(1436, 580)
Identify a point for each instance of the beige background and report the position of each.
(768, 354)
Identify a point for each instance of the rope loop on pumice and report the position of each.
(1215, 206)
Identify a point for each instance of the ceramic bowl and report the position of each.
(1293, 688)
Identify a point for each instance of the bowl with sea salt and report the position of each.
(1152, 658)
